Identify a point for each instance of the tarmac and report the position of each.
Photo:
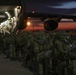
(8, 67)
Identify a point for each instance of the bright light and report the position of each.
(28, 23)
(9, 16)
(33, 12)
(1, 24)
(16, 13)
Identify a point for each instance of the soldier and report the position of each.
(43, 46)
(73, 53)
(61, 53)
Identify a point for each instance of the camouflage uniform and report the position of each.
(61, 53)
(10, 44)
(73, 53)
(42, 47)
(21, 43)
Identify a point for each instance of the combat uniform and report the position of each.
(61, 53)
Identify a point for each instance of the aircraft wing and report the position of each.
(50, 8)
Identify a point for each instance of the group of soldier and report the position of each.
(44, 53)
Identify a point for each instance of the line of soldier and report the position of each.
(43, 53)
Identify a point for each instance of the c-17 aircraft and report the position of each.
(49, 11)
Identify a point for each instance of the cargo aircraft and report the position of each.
(50, 12)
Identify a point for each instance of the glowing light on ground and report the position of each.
(28, 23)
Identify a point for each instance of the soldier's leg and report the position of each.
(70, 68)
(40, 69)
(35, 66)
(62, 71)
(19, 55)
(60, 68)
(14, 53)
(54, 66)
(46, 68)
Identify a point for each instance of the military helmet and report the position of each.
(62, 35)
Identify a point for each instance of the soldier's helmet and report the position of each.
(62, 35)
(73, 36)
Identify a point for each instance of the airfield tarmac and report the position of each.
(8, 67)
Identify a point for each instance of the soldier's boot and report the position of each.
(70, 71)
(14, 55)
(19, 57)
(40, 69)
(46, 66)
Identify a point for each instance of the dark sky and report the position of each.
(67, 7)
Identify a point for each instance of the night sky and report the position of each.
(65, 7)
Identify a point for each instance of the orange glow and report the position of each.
(62, 26)
(67, 26)
(28, 23)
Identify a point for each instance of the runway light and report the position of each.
(28, 23)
